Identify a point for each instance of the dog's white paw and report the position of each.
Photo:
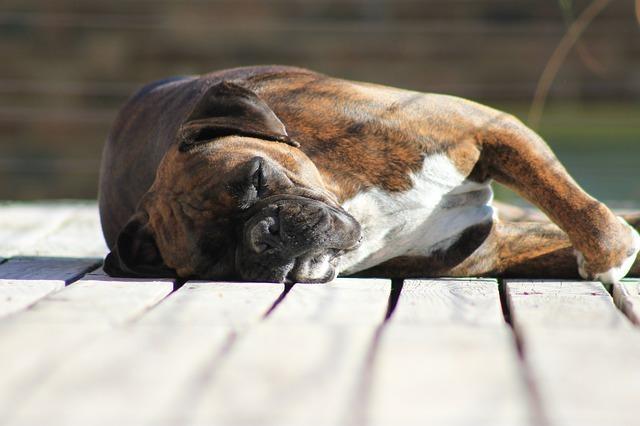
(616, 273)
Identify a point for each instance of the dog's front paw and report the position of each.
(618, 271)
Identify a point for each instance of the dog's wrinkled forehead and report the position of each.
(227, 159)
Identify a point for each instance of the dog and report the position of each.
(281, 174)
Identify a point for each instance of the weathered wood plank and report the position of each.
(51, 229)
(580, 350)
(23, 281)
(446, 357)
(21, 224)
(447, 376)
(47, 268)
(343, 301)
(562, 304)
(79, 234)
(95, 303)
(150, 371)
(586, 377)
(304, 364)
(132, 376)
(474, 302)
(288, 374)
(626, 296)
(233, 304)
(36, 342)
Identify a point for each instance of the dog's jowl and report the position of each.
(283, 174)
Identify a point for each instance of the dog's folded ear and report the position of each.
(136, 253)
(227, 109)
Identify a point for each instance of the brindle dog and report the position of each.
(283, 174)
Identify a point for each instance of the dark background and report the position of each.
(66, 67)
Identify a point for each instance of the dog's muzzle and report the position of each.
(295, 239)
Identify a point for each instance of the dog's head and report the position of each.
(235, 199)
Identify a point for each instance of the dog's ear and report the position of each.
(227, 109)
(136, 253)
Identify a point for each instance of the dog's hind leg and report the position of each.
(517, 157)
(525, 249)
(501, 249)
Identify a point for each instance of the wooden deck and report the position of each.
(80, 348)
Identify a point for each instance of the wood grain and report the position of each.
(343, 301)
(626, 296)
(70, 229)
(22, 224)
(304, 364)
(450, 301)
(150, 371)
(288, 374)
(95, 303)
(78, 235)
(581, 352)
(233, 304)
(447, 357)
(23, 281)
(562, 304)
(36, 342)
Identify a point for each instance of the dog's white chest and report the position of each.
(440, 205)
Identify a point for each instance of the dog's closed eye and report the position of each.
(252, 186)
(258, 178)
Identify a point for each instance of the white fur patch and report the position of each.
(316, 268)
(439, 206)
(616, 273)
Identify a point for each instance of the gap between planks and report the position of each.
(299, 365)
(539, 416)
(227, 378)
(24, 281)
(447, 357)
(38, 341)
(290, 341)
(183, 334)
(439, 328)
(626, 295)
(581, 351)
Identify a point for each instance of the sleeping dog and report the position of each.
(282, 174)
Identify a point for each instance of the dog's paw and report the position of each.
(616, 273)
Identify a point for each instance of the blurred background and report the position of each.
(67, 66)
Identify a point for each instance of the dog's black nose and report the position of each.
(265, 235)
